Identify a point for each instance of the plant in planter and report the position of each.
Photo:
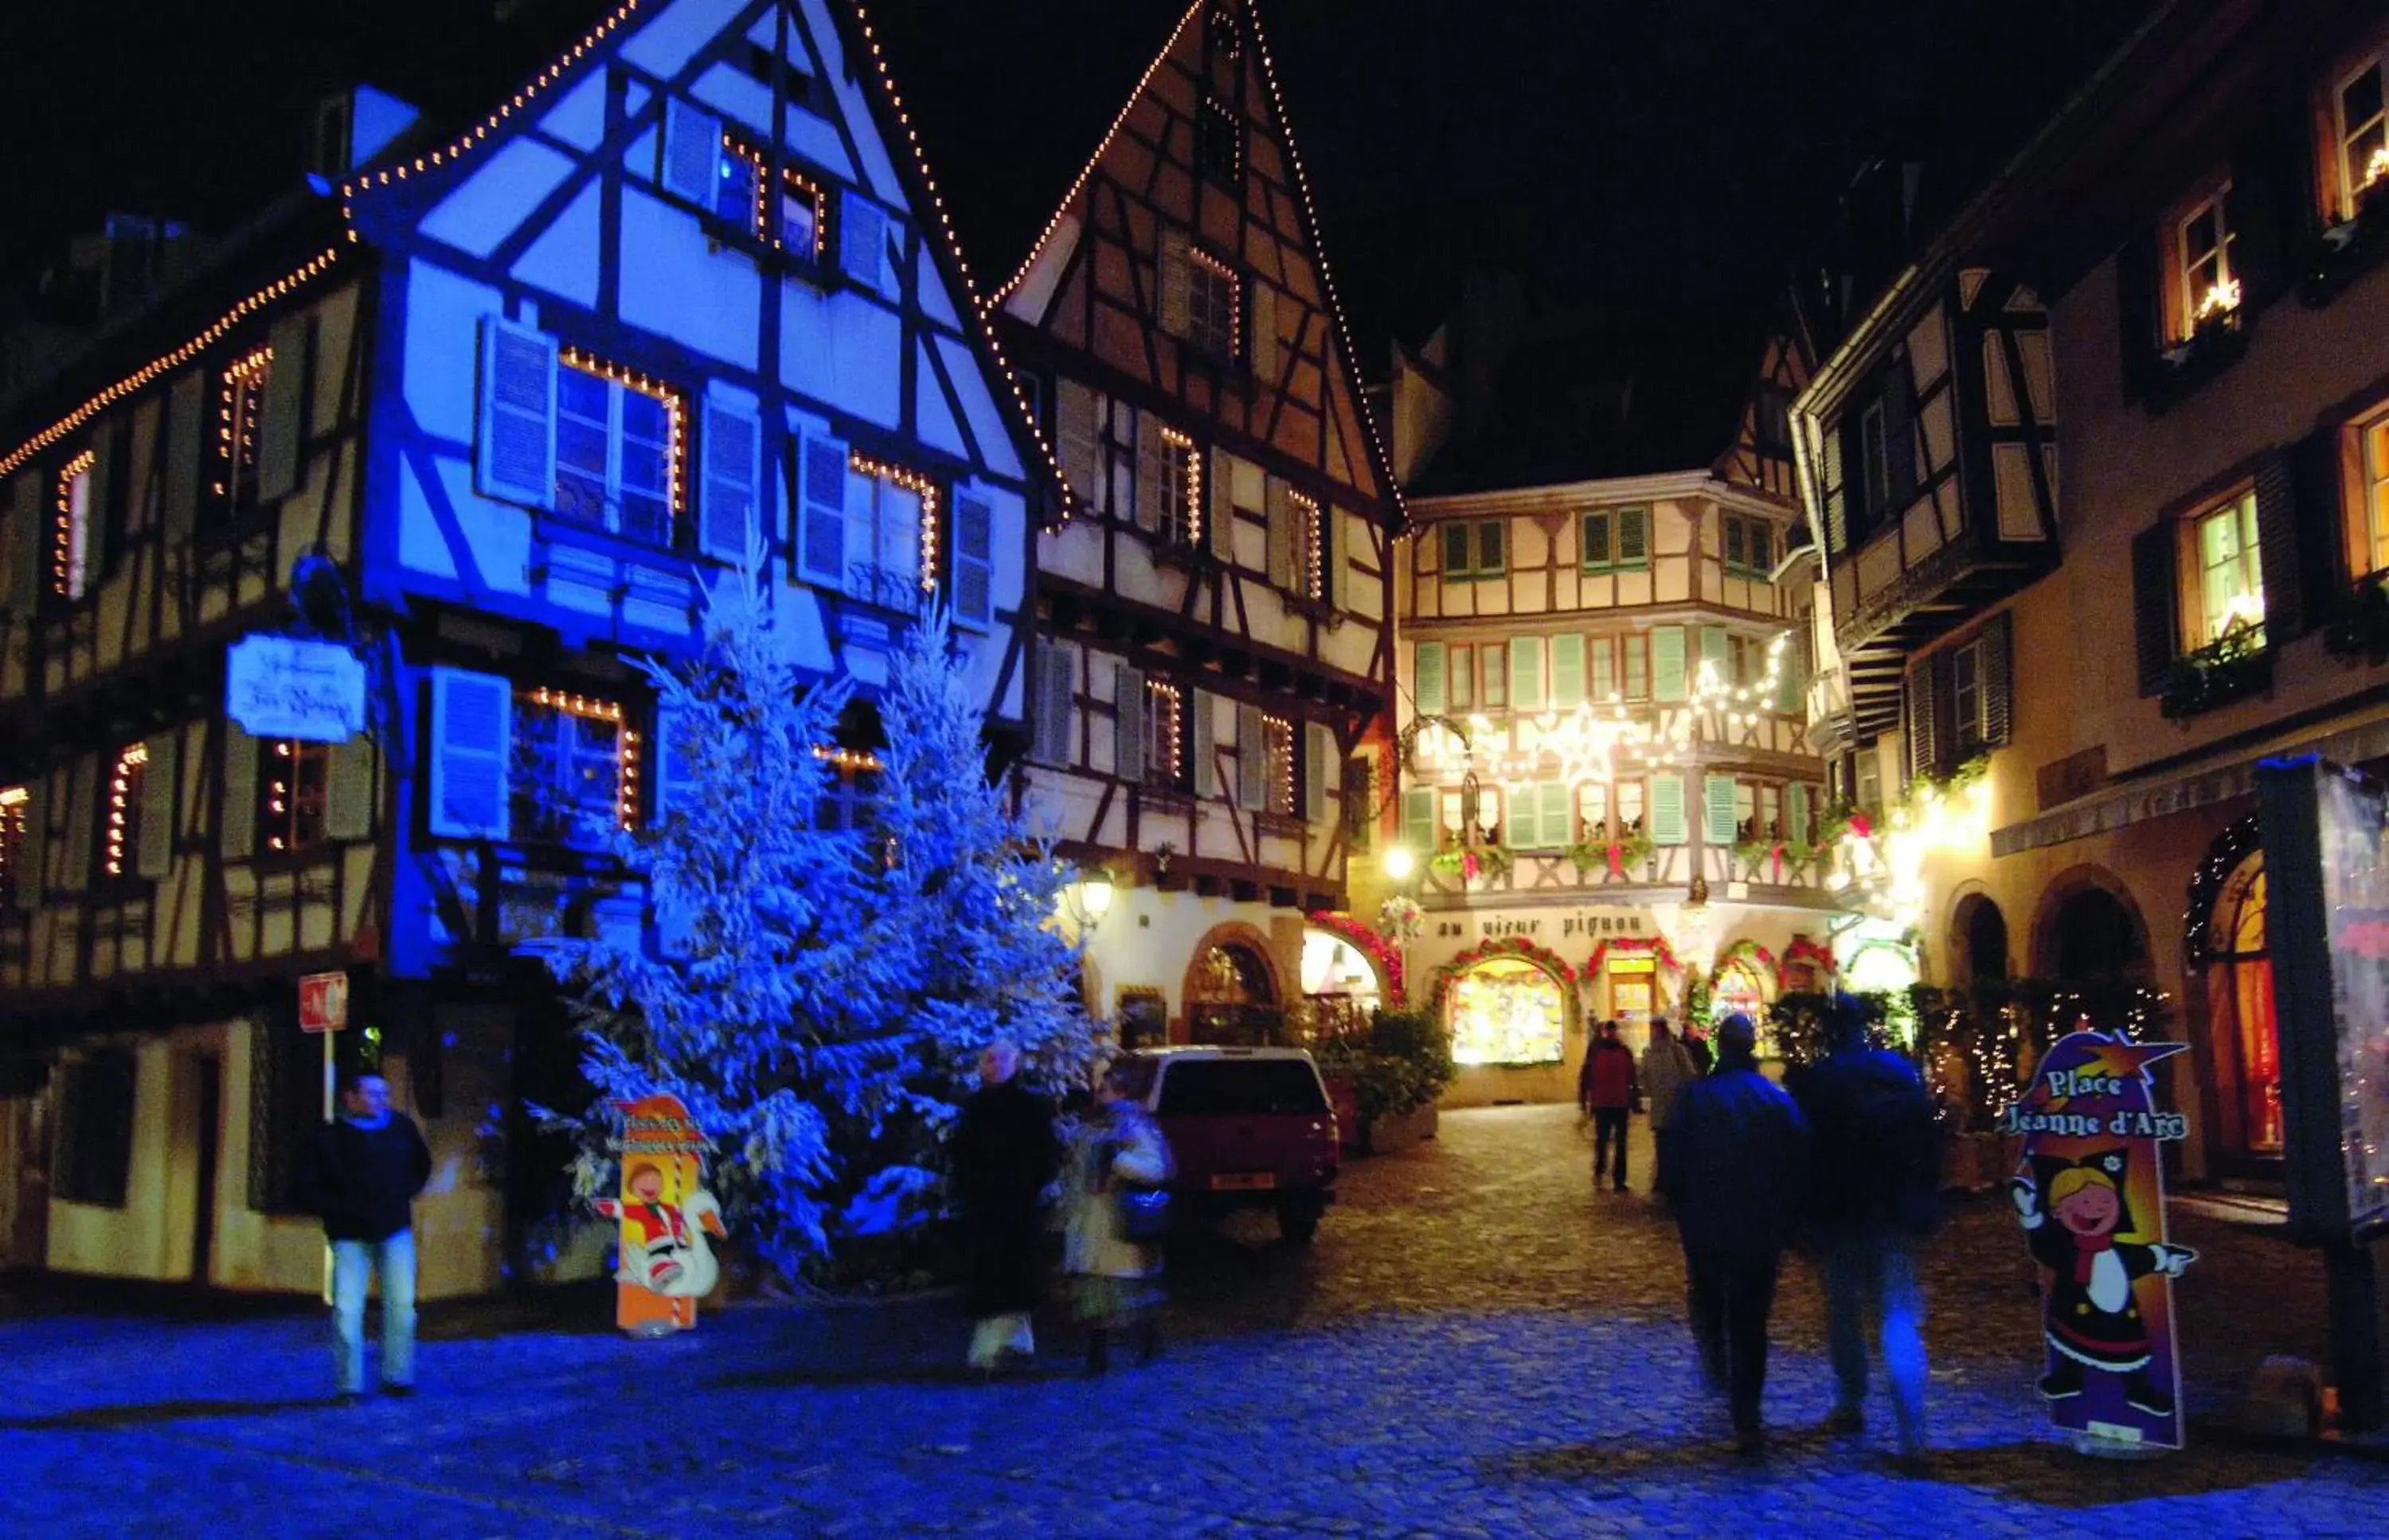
(2362, 628)
(2235, 666)
(1474, 863)
(1397, 1064)
(1625, 856)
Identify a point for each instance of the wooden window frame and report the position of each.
(871, 580)
(525, 822)
(71, 527)
(240, 412)
(1747, 526)
(2365, 458)
(1166, 762)
(1493, 661)
(758, 218)
(119, 830)
(2188, 305)
(1459, 677)
(1214, 307)
(286, 822)
(2349, 182)
(1280, 767)
(2198, 630)
(621, 381)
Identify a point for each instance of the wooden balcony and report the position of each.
(1908, 585)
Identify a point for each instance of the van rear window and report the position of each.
(1248, 1086)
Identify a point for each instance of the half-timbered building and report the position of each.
(530, 383)
(1214, 639)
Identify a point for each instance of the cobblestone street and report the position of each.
(1477, 1344)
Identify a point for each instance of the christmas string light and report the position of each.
(118, 802)
(71, 534)
(766, 227)
(1168, 720)
(848, 761)
(1277, 738)
(1314, 556)
(1193, 483)
(675, 405)
(243, 390)
(626, 745)
(1235, 297)
(920, 486)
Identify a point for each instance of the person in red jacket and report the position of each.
(1607, 1089)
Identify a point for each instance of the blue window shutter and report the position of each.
(1318, 762)
(669, 768)
(863, 241)
(1426, 678)
(515, 458)
(1203, 743)
(161, 779)
(1054, 738)
(1128, 723)
(472, 739)
(1526, 673)
(1717, 810)
(733, 475)
(188, 442)
(691, 152)
(33, 842)
(1667, 814)
(1252, 763)
(350, 802)
(1568, 671)
(1796, 817)
(1668, 663)
(821, 510)
(27, 536)
(974, 558)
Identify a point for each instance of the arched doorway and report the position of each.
(1978, 939)
(2225, 945)
(1232, 996)
(2091, 933)
(1339, 981)
(1507, 1011)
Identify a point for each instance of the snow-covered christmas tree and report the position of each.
(817, 995)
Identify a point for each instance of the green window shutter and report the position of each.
(1718, 820)
(1568, 671)
(1456, 562)
(1557, 826)
(1526, 674)
(1604, 669)
(1634, 537)
(1666, 814)
(1792, 675)
(1795, 818)
(1717, 653)
(1668, 663)
(1596, 541)
(1418, 821)
(1426, 678)
(1737, 545)
(1490, 549)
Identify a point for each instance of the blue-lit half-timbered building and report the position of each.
(530, 381)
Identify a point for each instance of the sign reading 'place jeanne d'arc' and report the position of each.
(282, 687)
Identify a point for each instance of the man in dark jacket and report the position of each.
(1605, 1088)
(360, 1177)
(1004, 1152)
(1876, 1192)
(1734, 1172)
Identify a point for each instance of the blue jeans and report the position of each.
(354, 1266)
(1878, 1270)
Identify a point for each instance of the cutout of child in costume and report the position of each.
(2073, 1212)
(657, 1242)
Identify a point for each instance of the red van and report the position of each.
(1249, 1127)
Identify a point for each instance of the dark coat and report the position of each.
(362, 1179)
(1877, 1156)
(1735, 1162)
(1608, 1079)
(1004, 1153)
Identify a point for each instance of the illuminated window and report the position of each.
(619, 438)
(2206, 286)
(14, 801)
(2363, 130)
(574, 775)
(1749, 546)
(1312, 542)
(1166, 733)
(2227, 573)
(2375, 531)
(1212, 303)
(740, 199)
(294, 789)
(1617, 540)
(1182, 488)
(1279, 766)
(70, 546)
(1507, 1011)
(891, 533)
(238, 406)
(121, 838)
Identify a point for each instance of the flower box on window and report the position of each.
(2232, 669)
(2361, 629)
(2345, 251)
(2219, 342)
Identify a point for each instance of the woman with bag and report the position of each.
(1118, 1211)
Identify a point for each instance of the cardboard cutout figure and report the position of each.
(665, 1261)
(2091, 1192)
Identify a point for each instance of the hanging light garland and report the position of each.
(674, 404)
(120, 793)
(919, 486)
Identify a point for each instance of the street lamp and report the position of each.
(1401, 864)
(1095, 895)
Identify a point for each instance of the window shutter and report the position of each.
(862, 242)
(1718, 655)
(33, 846)
(2277, 551)
(1269, 354)
(1604, 669)
(282, 417)
(1526, 673)
(1837, 511)
(103, 472)
(1318, 762)
(187, 442)
(1667, 811)
(1668, 663)
(1220, 517)
(26, 528)
(1176, 283)
(1568, 671)
(1633, 538)
(1057, 685)
(2315, 492)
(667, 769)
(236, 806)
(82, 819)
(1334, 526)
(1718, 820)
(1555, 817)
(348, 790)
(161, 780)
(974, 558)
(2155, 597)
(1792, 675)
(1075, 431)
(472, 739)
(1128, 723)
(1418, 823)
(1924, 756)
(1596, 540)
(690, 162)
(1426, 678)
(1899, 435)
(1282, 561)
(1252, 767)
(1152, 471)
(1796, 813)
(2140, 316)
(1999, 675)
(514, 458)
(2267, 208)
(1205, 749)
(732, 477)
(820, 509)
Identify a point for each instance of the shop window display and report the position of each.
(1508, 1012)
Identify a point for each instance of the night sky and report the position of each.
(1650, 158)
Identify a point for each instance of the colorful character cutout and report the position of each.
(667, 1222)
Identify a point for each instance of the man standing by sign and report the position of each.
(2091, 1192)
(362, 1173)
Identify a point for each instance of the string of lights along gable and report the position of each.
(99, 402)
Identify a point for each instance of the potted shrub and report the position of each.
(1397, 1065)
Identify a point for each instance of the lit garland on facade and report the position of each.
(70, 536)
(13, 803)
(1314, 545)
(626, 745)
(2220, 299)
(849, 761)
(119, 797)
(1168, 706)
(1193, 489)
(766, 227)
(2375, 169)
(920, 486)
(675, 409)
(1277, 754)
(1235, 297)
(236, 414)
(166, 362)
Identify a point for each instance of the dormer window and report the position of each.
(793, 223)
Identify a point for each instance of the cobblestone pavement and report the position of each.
(1476, 1345)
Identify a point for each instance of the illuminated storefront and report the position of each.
(1508, 1010)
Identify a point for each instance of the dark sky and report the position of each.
(1651, 156)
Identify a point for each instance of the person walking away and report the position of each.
(1696, 1048)
(1115, 1279)
(1004, 1153)
(361, 1175)
(1667, 1069)
(1734, 1170)
(1874, 1194)
(1607, 1089)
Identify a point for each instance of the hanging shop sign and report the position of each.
(284, 687)
(667, 1221)
(323, 1002)
(2091, 1192)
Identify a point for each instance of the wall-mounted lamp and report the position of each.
(1400, 863)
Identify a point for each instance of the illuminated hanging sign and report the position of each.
(282, 687)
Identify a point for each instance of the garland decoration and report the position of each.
(1655, 945)
(1506, 946)
(1802, 949)
(1376, 948)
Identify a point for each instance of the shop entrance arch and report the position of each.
(1232, 991)
(2226, 950)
